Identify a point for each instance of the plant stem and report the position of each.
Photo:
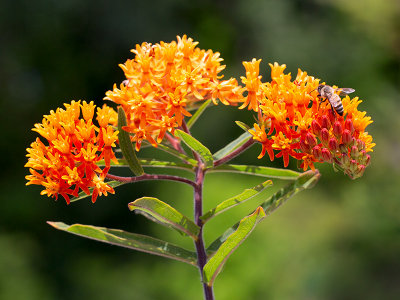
(198, 211)
(151, 177)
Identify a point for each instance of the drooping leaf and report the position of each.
(198, 113)
(217, 261)
(236, 200)
(83, 195)
(305, 181)
(129, 240)
(161, 212)
(232, 146)
(258, 171)
(196, 146)
(126, 145)
(242, 125)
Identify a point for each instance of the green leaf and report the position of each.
(242, 125)
(126, 145)
(305, 181)
(159, 211)
(232, 146)
(258, 171)
(198, 113)
(238, 199)
(129, 240)
(83, 195)
(196, 146)
(217, 261)
(177, 154)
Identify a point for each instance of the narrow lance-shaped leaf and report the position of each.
(277, 173)
(83, 195)
(126, 145)
(236, 200)
(217, 261)
(159, 211)
(196, 146)
(198, 113)
(232, 146)
(129, 240)
(242, 125)
(305, 181)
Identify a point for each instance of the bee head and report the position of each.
(320, 87)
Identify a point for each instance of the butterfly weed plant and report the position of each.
(168, 87)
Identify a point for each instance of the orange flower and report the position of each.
(68, 162)
(169, 79)
(301, 127)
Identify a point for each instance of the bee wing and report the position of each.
(345, 91)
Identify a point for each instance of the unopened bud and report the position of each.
(353, 166)
(348, 124)
(360, 145)
(343, 148)
(325, 123)
(333, 144)
(346, 137)
(354, 152)
(324, 136)
(311, 140)
(345, 160)
(316, 151)
(337, 130)
(305, 147)
(367, 160)
(316, 128)
(326, 155)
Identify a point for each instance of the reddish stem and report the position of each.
(235, 153)
(150, 177)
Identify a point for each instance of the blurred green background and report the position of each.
(340, 240)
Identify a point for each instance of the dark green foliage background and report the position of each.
(340, 240)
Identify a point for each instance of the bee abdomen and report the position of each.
(339, 109)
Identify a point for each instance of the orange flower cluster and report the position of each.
(164, 82)
(75, 145)
(293, 122)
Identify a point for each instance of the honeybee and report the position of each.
(327, 92)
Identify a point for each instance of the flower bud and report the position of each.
(337, 130)
(311, 140)
(316, 151)
(324, 136)
(333, 144)
(360, 145)
(326, 155)
(343, 148)
(325, 123)
(305, 147)
(353, 166)
(316, 128)
(367, 160)
(345, 160)
(354, 152)
(346, 137)
(348, 124)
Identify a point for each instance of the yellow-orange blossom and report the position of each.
(164, 82)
